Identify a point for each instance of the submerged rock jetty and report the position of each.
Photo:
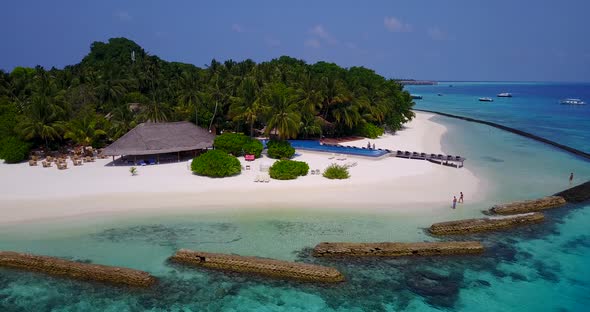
(469, 226)
(387, 249)
(576, 194)
(261, 266)
(528, 205)
(77, 270)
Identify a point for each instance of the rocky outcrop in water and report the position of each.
(77, 270)
(576, 194)
(468, 226)
(528, 205)
(395, 249)
(261, 266)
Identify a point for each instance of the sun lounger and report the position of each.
(257, 179)
(313, 172)
(332, 156)
(152, 161)
(266, 179)
(32, 162)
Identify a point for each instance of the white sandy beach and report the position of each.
(384, 184)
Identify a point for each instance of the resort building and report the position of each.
(171, 141)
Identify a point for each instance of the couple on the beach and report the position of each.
(455, 200)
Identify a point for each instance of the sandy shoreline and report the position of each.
(378, 185)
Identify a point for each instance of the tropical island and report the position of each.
(159, 120)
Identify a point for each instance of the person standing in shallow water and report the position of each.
(454, 202)
(461, 197)
(571, 178)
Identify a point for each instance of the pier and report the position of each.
(389, 249)
(440, 159)
(76, 270)
(261, 266)
(469, 226)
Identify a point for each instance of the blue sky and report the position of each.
(530, 40)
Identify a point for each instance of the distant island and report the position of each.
(416, 82)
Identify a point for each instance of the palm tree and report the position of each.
(284, 116)
(44, 111)
(86, 129)
(189, 95)
(247, 105)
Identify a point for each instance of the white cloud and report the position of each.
(122, 15)
(395, 25)
(321, 32)
(237, 28)
(437, 34)
(312, 43)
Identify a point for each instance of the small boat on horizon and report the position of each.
(486, 99)
(416, 96)
(504, 94)
(572, 102)
(440, 94)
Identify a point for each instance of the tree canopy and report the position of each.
(118, 85)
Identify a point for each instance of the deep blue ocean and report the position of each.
(535, 268)
(534, 107)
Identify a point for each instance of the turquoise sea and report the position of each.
(538, 268)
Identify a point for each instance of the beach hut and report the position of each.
(164, 138)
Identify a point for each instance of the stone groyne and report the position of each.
(76, 270)
(469, 226)
(576, 194)
(526, 206)
(260, 266)
(566, 148)
(387, 249)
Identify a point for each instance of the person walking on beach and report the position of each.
(454, 202)
(571, 178)
(461, 197)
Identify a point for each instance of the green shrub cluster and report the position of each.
(288, 169)
(13, 150)
(336, 171)
(238, 144)
(369, 130)
(216, 163)
(254, 147)
(280, 149)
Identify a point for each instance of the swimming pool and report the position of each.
(312, 145)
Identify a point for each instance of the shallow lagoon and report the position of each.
(536, 268)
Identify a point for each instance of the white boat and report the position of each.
(486, 99)
(504, 94)
(572, 102)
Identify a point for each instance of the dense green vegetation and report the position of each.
(369, 130)
(336, 171)
(238, 144)
(118, 85)
(13, 150)
(280, 149)
(288, 169)
(216, 163)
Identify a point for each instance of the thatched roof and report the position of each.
(158, 138)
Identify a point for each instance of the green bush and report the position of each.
(254, 147)
(335, 171)
(288, 169)
(216, 163)
(280, 149)
(13, 150)
(238, 144)
(369, 130)
(232, 143)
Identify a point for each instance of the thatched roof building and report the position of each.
(160, 138)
